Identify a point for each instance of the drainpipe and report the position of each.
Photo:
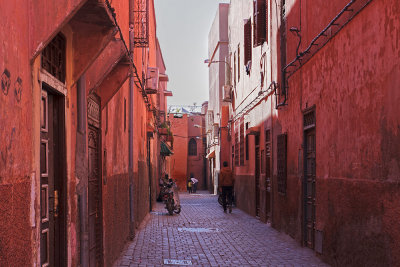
(131, 108)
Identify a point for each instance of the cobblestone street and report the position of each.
(203, 235)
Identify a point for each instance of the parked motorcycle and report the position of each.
(171, 198)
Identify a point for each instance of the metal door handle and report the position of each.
(55, 203)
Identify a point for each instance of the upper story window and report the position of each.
(192, 147)
(260, 22)
(53, 57)
(247, 42)
(238, 62)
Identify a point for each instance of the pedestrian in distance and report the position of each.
(194, 183)
(226, 183)
(189, 185)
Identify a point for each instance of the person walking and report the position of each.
(226, 183)
(194, 183)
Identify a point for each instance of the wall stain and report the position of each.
(5, 155)
(18, 89)
(5, 81)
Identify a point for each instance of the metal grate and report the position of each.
(281, 161)
(141, 25)
(53, 57)
(309, 119)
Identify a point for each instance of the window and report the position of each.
(192, 147)
(247, 42)
(242, 142)
(260, 22)
(281, 161)
(53, 57)
(234, 69)
(238, 62)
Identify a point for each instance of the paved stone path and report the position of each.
(206, 236)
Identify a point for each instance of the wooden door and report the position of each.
(94, 185)
(257, 174)
(52, 180)
(309, 188)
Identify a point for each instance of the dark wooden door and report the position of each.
(268, 174)
(52, 179)
(94, 186)
(309, 188)
(257, 174)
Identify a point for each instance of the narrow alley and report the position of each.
(203, 235)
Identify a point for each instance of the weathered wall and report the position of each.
(17, 187)
(179, 159)
(115, 149)
(353, 83)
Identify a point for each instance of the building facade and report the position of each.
(74, 117)
(218, 149)
(188, 127)
(313, 125)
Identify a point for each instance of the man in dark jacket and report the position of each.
(226, 182)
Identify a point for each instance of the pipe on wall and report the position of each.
(131, 109)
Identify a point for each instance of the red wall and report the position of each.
(353, 83)
(178, 161)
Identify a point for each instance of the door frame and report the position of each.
(60, 251)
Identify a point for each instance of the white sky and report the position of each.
(182, 29)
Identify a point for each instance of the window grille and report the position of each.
(192, 147)
(247, 42)
(53, 57)
(141, 25)
(260, 22)
(309, 120)
(281, 162)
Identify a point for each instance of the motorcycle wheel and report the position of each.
(178, 210)
(170, 208)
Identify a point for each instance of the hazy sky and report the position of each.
(182, 29)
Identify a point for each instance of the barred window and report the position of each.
(281, 162)
(192, 147)
(53, 57)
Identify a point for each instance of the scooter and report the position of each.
(171, 198)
